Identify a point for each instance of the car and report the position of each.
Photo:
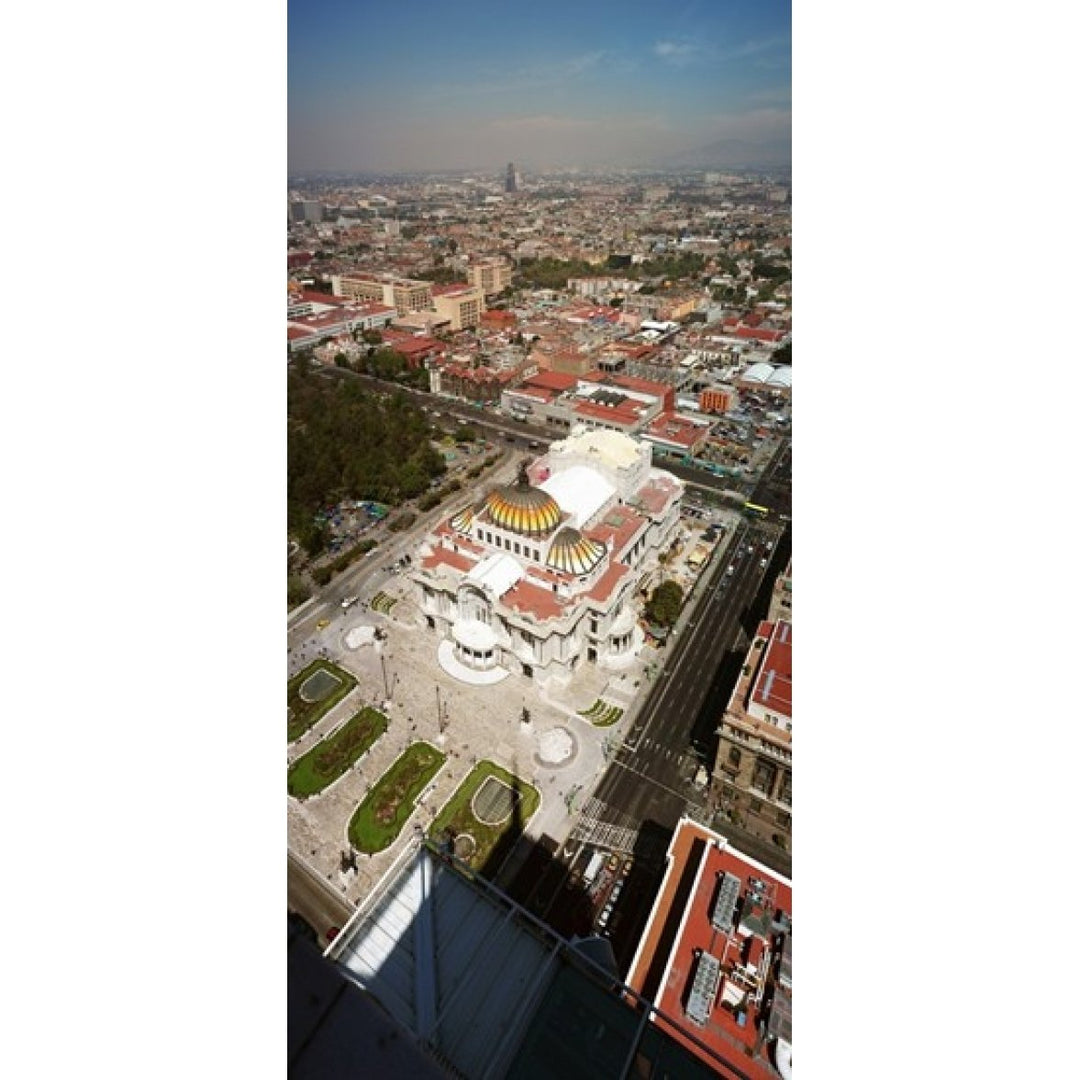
(764, 563)
(348, 602)
(322, 624)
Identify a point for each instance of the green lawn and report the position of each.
(457, 816)
(302, 714)
(334, 756)
(376, 822)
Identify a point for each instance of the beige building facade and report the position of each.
(752, 775)
(463, 306)
(490, 276)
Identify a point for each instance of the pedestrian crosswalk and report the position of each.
(605, 828)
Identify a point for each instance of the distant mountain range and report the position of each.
(733, 154)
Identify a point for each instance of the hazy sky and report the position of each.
(418, 84)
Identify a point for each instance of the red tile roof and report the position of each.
(314, 297)
(626, 412)
(701, 856)
(532, 599)
(758, 335)
(772, 688)
(672, 428)
(628, 382)
(443, 556)
(608, 580)
(551, 380)
(655, 495)
(616, 528)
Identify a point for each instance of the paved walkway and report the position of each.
(401, 674)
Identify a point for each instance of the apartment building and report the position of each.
(404, 295)
(461, 304)
(752, 774)
(490, 276)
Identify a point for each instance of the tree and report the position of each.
(664, 605)
(298, 590)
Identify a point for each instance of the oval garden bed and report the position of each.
(379, 819)
(336, 754)
(490, 805)
(323, 685)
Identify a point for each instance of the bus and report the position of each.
(753, 508)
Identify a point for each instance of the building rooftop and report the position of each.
(712, 951)
(492, 992)
(772, 688)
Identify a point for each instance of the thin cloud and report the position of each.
(684, 53)
(678, 53)
(754, 48)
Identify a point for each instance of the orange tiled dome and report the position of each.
(574, 553)
(522, 508)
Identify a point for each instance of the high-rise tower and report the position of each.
(511, 178)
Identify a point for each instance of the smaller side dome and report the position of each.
(574, 553)
(462, 521)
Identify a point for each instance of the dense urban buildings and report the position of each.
(601, 363)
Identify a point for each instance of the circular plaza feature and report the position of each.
(557, 746)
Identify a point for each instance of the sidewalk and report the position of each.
(476, 722)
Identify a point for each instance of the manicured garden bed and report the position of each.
(336, 754)
(303, 712)
(601, 713)
(458, 816)
(379, 819)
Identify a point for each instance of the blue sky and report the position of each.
(417, 84)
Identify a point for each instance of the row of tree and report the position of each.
(346, 442)
(548, 273)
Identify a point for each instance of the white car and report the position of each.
(348, 602)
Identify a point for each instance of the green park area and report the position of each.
(379, 819)
(487, 804)
(314, 692)
(336, 754)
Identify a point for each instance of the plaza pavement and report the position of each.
(481, 722)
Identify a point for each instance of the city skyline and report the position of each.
(404, 87)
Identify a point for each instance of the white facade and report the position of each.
(541, 576)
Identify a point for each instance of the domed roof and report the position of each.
(522, 508)
(463, 519)
(574, 553)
